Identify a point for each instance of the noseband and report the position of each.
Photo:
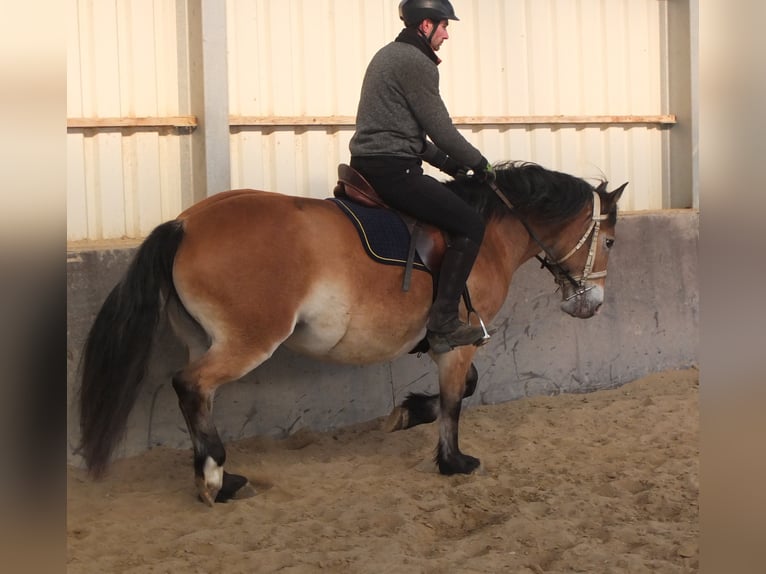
(579, 281)
(549, 262)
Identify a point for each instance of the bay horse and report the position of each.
(244, 271)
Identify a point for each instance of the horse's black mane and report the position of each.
(532, 189)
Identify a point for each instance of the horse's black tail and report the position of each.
(119, 343)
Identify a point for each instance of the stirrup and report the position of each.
(487, 336)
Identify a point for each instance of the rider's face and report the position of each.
(440, 34)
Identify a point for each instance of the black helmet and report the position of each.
(413, 12)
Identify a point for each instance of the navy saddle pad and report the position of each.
(383, 233)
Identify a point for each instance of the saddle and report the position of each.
(426, 240)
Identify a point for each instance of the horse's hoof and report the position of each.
(397, 420)
(460, 464)
(232, 483)
(247, 491)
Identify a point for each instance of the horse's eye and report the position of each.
(609, 242)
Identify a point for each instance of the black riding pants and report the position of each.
(403, 185)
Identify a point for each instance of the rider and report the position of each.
(399, 107)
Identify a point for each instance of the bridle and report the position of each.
(561, 275)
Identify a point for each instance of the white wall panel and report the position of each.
(77, 203)
(122, 62)
(306, 58)
(503, 58)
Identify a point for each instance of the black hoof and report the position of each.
(231, 484)
(458, 464)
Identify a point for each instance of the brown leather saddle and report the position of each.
(426, 240)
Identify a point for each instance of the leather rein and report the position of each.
(551, 263)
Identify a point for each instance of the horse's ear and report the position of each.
(609, 199)
(614, 196)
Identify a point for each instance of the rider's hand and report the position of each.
(442, 161)
(452, 168)
(483, 171)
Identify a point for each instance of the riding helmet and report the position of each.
(413, 12)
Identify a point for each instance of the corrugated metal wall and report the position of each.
(122, 63)
(306, 58)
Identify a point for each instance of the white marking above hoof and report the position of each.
(213, 473)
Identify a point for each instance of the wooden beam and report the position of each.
(276, 121)
(565, 120)
(135, 122)
(339, 121)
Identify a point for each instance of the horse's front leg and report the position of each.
(196, 403)
(453, 369)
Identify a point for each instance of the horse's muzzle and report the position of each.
(582, 302)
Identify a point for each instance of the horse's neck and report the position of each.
(509, 244)
(505, 248)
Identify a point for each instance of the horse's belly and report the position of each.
(354, 347)
(330, 328)
(360, 315)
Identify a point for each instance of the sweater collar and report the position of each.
(414, 38)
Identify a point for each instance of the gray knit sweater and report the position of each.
(400, 105)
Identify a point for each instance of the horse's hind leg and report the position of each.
(421, 408)
(195, 386)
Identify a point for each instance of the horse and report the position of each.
(244, 271)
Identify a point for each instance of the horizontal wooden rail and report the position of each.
(136, 122)
(342, 121)
(339, 121)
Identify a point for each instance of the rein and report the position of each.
(549, 262)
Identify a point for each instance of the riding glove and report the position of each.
(441, 160)
(451, 167)
(483, 171)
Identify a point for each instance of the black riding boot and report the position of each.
(445, 330)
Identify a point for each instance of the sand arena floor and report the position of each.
(601, 483)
